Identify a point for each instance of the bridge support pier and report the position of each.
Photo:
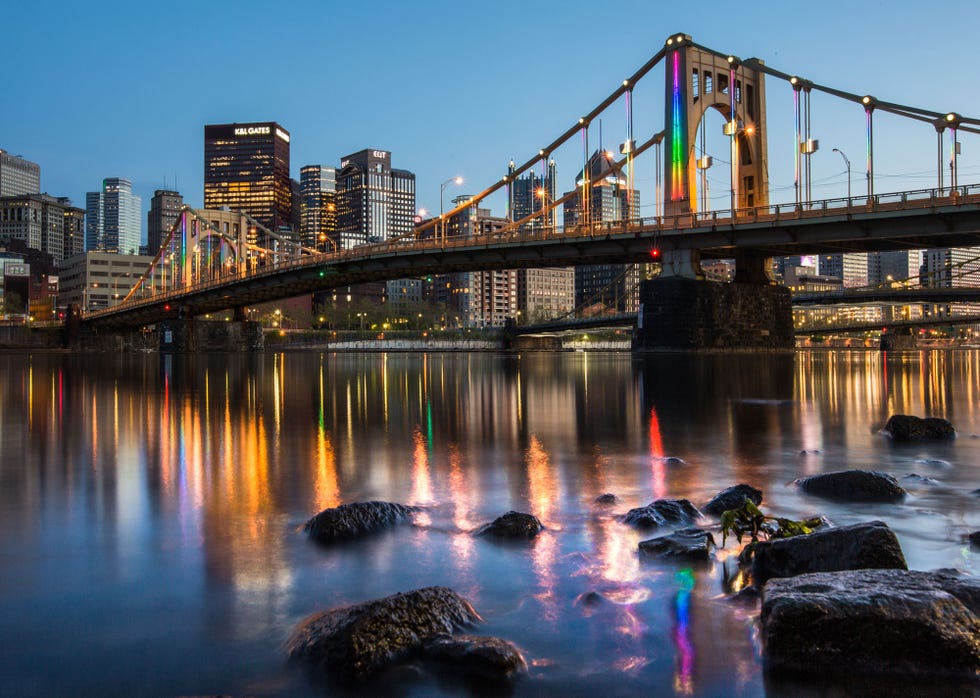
(685, 314)
(188, 335)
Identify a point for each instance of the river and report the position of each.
(151, 507)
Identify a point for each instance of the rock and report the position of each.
(861, 546)
(355, 642)
(687, 544)
(975, 540)
(663, 512)
(921, 479)
(606, 499)
(590, 599)
(513, 525)
(854, 486)
(902, 427)
(674, 460)
(732, 498)
(873, 622)
(349, 521)
(485, 657)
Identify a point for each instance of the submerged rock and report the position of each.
(687, 544)
(732, 498)
(873, 621)
(903, 427)
(663, 512)
(349, 521)
(485, 657)
(606, 499)
(514, 525)
(921, 479)
(854, 486)
(975, 540)
(354, 642)
(861, 546)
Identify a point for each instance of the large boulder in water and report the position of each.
(350, 521)
(482, 657)
(870, 622)
(854, 486)
(903, 427)
(732, 498)
(663, 512)
(685, 545)
(861, 546)
(355, 642)
(512, 525)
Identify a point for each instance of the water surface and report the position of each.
(151, 507)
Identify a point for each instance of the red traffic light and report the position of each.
(166, 307)
(655, 253)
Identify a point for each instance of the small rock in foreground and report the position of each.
(355, 642)
(606, 499)
(861, 546)
(513, 524)
(663, 512)
(903, 427)
(884, 622)
(687, 544)
(732, 498)
(486, 657)
(350, 521)
(854, 486)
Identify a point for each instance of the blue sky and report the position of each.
(111, 89)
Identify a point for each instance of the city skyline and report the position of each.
(459, 106)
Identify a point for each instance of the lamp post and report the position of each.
(847, 163)
(442, 189)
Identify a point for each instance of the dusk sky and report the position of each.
(111, 89)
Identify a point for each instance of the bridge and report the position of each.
(233, 273)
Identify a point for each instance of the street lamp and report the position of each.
(442, 189)
(847, 163)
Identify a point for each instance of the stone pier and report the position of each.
(186, 335)
(679, 313)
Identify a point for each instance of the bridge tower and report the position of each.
(698, 80)
(681, 310)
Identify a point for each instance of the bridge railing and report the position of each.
(892, 201)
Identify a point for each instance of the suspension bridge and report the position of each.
(200, 269)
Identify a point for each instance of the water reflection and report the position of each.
(150, 490)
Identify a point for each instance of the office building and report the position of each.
(18, 176)
(41, 222)
(318, 207)
(246, 168)
(94, 280)
(899, 266)
(165, 207)
(375, 202)
(850, 268)
(113, 219)
(547, 293)
(951, 267)
(604, 287)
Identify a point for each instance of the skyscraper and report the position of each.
(542, 294)
(113, 221)
(246, 168)
(318, 207)
(41, 222)
(164, 209)
(614, 286)
(18, 176)
(374, 201)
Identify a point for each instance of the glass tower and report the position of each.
(113, 220)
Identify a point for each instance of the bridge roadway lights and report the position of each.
(680, 313)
